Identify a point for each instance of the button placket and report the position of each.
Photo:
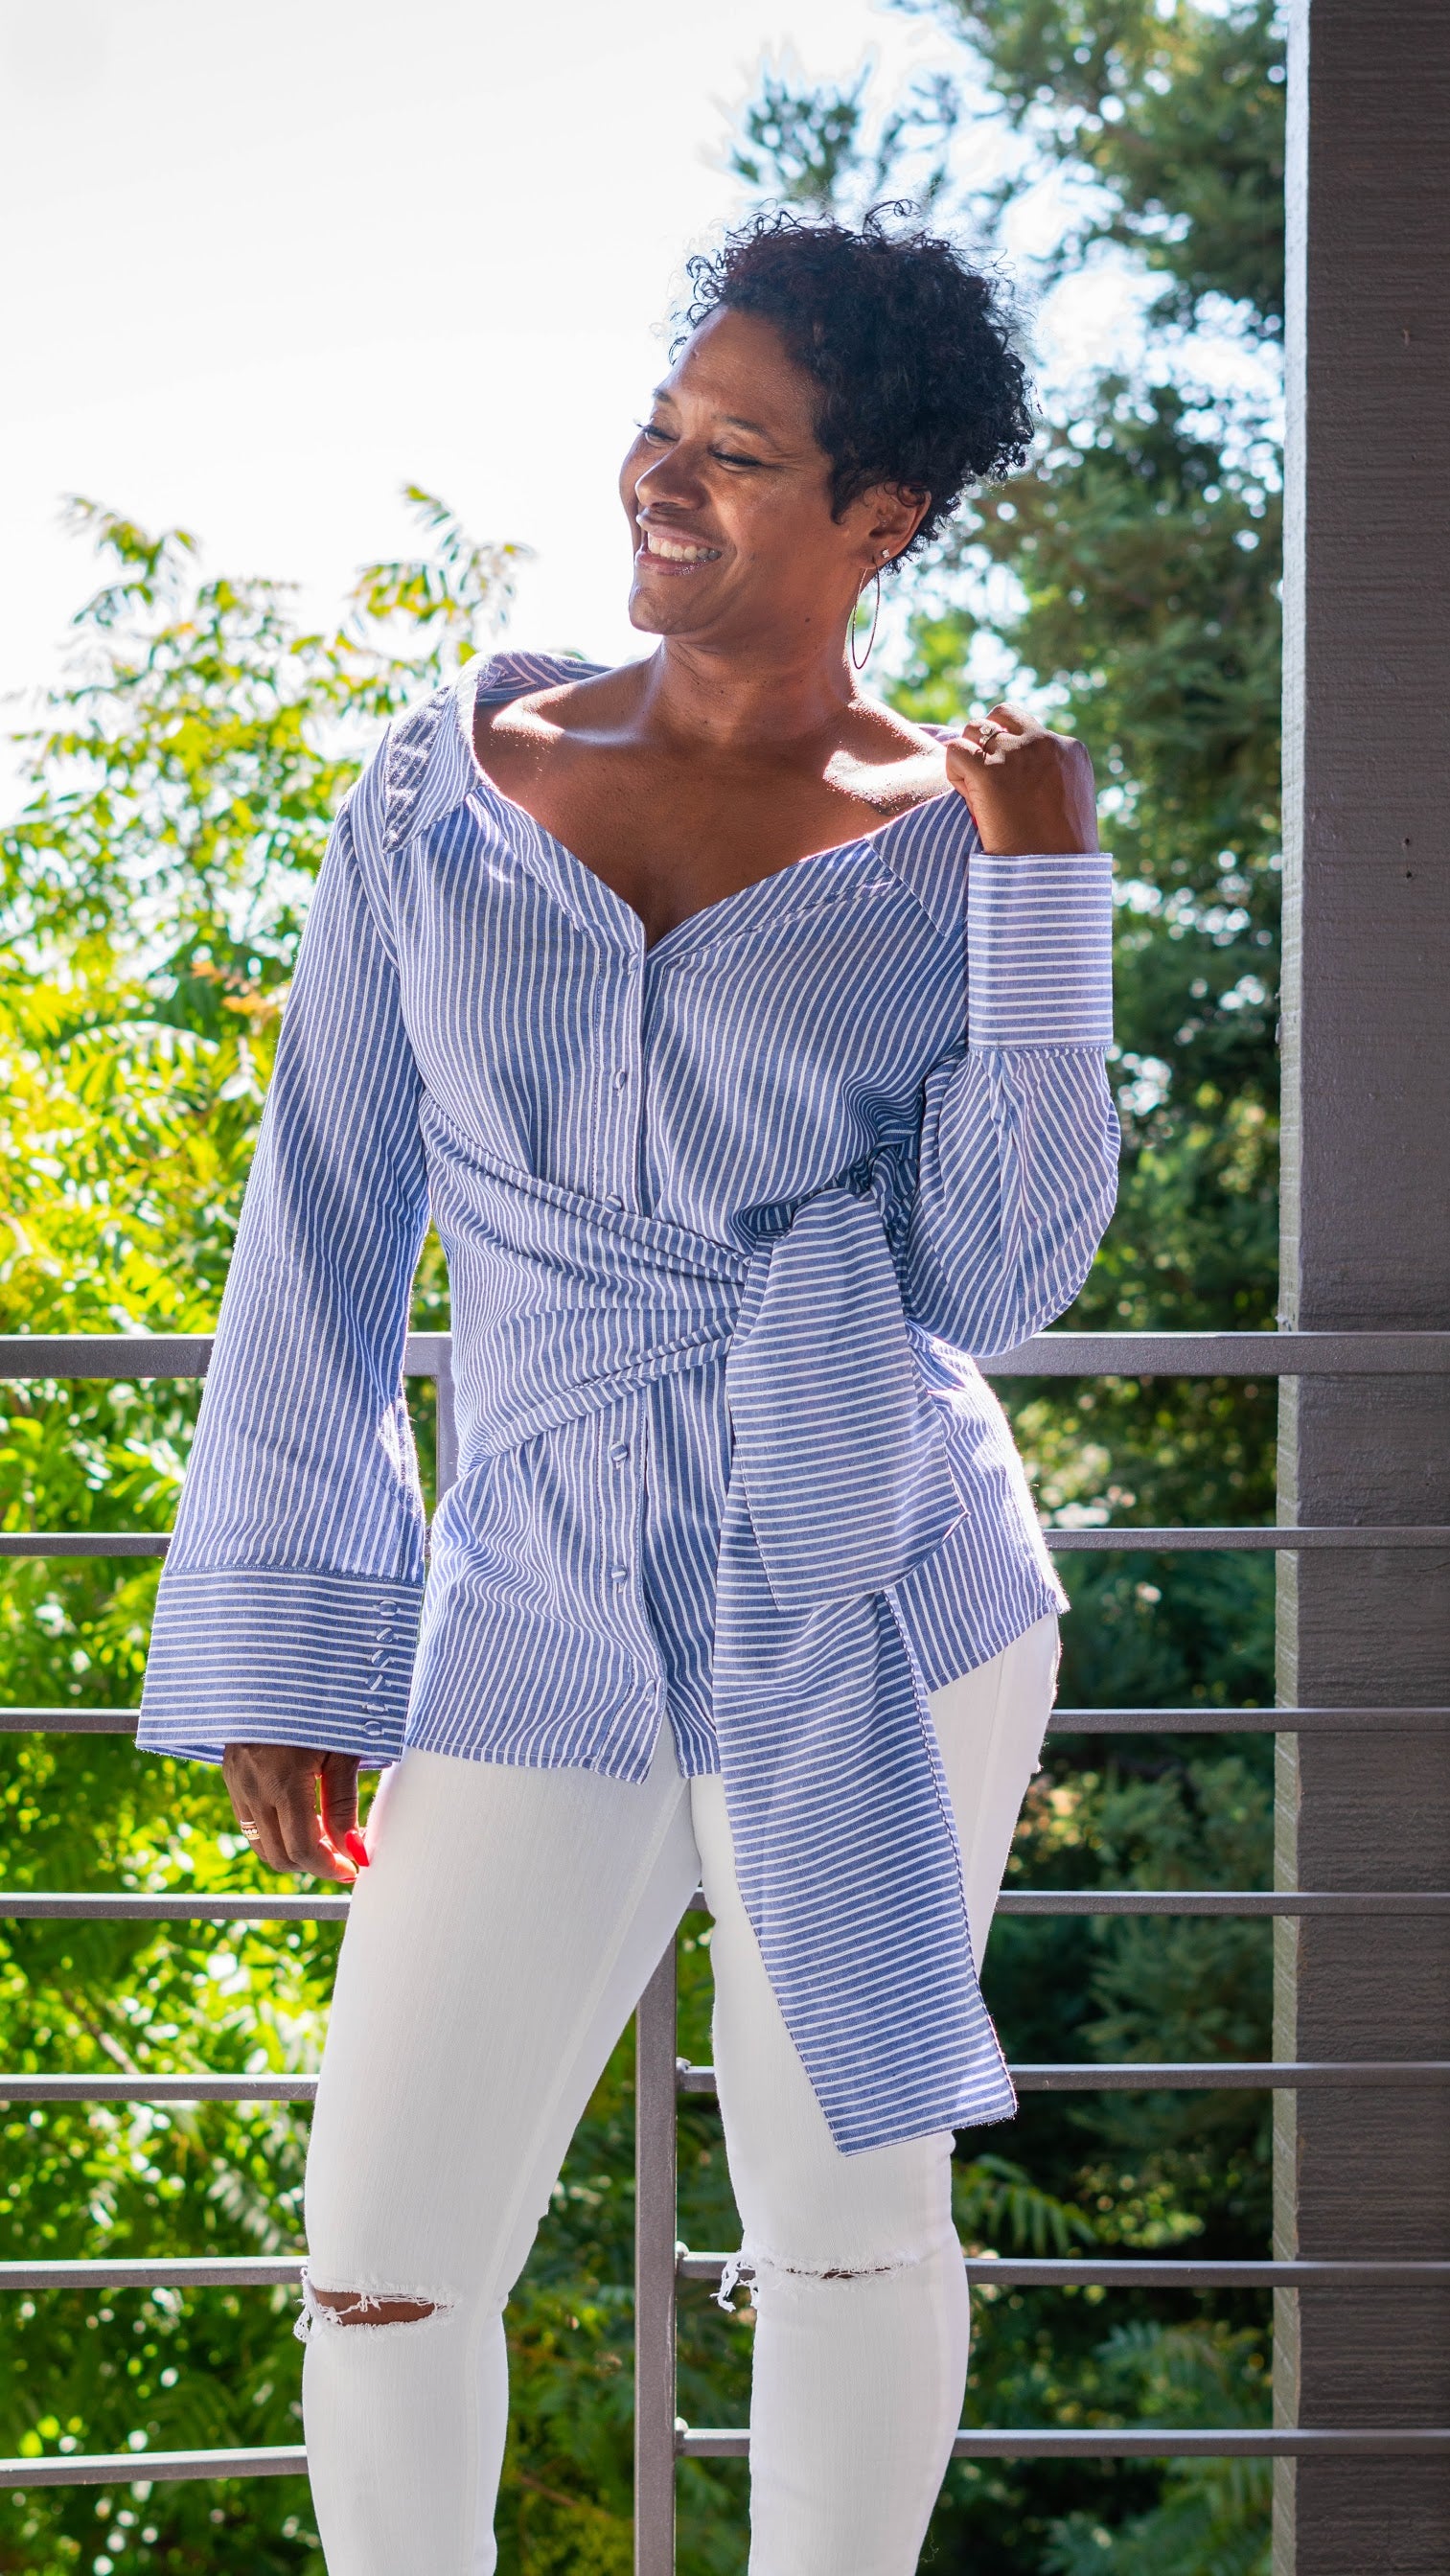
(619, 1123)
(622, 1444)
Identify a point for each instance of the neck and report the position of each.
(722, 699)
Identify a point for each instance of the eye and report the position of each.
(726, 458)
(652, 429)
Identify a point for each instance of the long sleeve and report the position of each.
(288, 1609)
(1019, 1139)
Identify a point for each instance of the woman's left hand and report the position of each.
(1031, 792)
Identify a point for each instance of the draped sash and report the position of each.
(839, 1486)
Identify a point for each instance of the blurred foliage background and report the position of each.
(153, 887)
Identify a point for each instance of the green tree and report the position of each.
(181, 788)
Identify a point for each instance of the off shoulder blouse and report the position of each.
(727, 1219)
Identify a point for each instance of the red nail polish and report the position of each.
(355, 1847)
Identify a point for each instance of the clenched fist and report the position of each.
(1030, 791)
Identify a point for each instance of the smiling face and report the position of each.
(728, 494)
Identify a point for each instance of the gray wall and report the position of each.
(1366, 1243)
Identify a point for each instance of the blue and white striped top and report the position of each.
(723, 1219)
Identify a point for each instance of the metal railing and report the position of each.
(661, 2439)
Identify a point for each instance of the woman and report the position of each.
(652, 985)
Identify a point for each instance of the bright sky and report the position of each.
(262, 265)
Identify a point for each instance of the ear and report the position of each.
(891, 515)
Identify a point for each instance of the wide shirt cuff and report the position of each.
(262, 1656)
(1040, 950)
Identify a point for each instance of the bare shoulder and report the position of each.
(541, 717)
(888, 762)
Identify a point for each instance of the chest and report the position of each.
(671, 837)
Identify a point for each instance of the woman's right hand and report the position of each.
(303, 1805)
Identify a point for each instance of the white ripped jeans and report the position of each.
(495, 1948)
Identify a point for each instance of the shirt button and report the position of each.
(619, 1574)
(621, 1081)
(613, 1199)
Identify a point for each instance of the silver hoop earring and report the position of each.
(875, 614)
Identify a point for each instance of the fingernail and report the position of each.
(355, 1847)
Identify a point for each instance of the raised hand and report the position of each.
(301, 1806)
(1029, 790)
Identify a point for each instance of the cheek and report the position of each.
(801, 546)
(767, 525)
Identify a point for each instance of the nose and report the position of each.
(670, 481)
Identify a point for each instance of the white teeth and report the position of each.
(674, 551)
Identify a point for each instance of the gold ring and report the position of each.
(987, 735)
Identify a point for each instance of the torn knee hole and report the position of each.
(765, 2268)
(367, 2309)
(356, 2308)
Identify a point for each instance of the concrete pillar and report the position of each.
(1366, 1244)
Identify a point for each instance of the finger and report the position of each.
(970, 740)
(337, 1790)
(1014, 720)
(964, 766)
(247, 1796)
(306, 1845)
(269, 1843)
(238, 1773)
(255, 1806)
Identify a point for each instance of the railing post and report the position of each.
(445, 1426)
(654, 2274)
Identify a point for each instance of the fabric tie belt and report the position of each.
(839, 1485)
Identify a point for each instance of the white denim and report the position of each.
(494, 1951)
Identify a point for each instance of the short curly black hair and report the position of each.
(911, 349)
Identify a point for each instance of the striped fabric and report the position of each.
(723, 1220)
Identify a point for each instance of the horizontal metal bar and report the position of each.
(157, 2088)
(155, 1355)
(1064, 1721)
(104, 1355)
(31, 1906)
(1169, 1541)
(1230, 2075)
(1235, 1721)
(169, 2272)
(1138, 2442)
(274, 2271)
(83, 1542)
(160, 2468)
(1368, 1354)
(1223, 1355)
(1142, 2272)
(68, 1721)
(1172, 1541)
(1206, 2075)
(1244, 1902)
(35, 1905)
